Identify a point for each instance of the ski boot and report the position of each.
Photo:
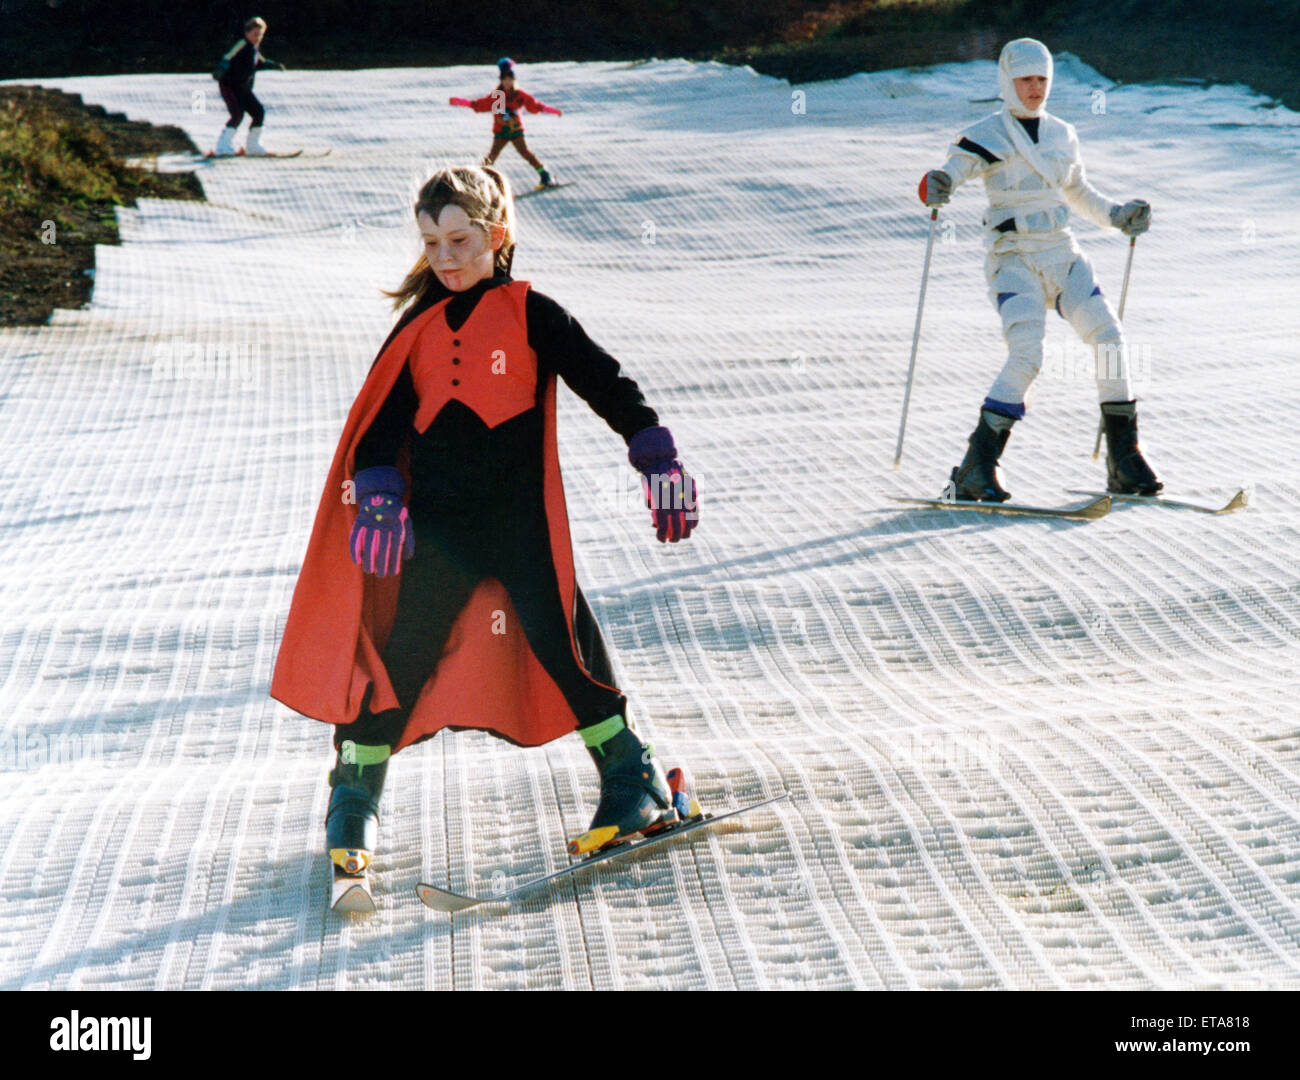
(352, 822)
(225, 142)
(1127, 471)
(634, 794)
(544, 178)
(976, 478)
(683, 801)
(253, 143)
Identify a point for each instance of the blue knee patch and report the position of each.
(1013, 409)
(1003, 297)
(1096, 291)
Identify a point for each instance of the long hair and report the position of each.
(484, 194)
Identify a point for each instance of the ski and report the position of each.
(351, 893)
(212, 155)
(1094, 508)
(544, 187)
(446, 900)
(1240, 499)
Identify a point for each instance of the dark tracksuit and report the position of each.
(238, 69)
(476, 509)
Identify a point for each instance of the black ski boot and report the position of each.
(352, 822)
(1127, 471)
(634, 794)
(976, 478)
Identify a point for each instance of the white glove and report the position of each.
(1133, 218)
(936, 188)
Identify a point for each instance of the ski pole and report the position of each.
(916, 337)
(1123, 296)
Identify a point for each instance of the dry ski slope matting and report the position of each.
(1021, 753)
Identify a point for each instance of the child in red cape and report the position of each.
(505, 103)
(448, 460)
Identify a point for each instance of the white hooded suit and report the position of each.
(1033, 260)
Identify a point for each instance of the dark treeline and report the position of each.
(62, 37)
(1251, 41)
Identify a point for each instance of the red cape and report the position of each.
(340, 617)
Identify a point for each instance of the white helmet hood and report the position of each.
(1024, 56)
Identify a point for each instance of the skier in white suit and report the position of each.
(1033, 173)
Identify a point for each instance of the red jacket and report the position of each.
(506, 107)
(340, 617)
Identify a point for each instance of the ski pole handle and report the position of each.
(916, 337)
(1123, 297)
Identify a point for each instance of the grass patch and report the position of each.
(62, 173)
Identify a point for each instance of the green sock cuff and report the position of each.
(354, 753)
(604, 731)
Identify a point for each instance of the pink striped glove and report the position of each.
(382, 538)
(670, 491)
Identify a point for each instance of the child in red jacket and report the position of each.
(505, 103)
(438, 589)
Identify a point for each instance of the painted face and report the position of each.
(458, 251)
(1031, 89)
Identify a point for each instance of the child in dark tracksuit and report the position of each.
(235, 76)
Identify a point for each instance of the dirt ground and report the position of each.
(36, 276)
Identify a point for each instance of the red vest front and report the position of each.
(330, 652)
(486, 364)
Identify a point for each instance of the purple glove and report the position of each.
(381, 536)
(670, 491)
